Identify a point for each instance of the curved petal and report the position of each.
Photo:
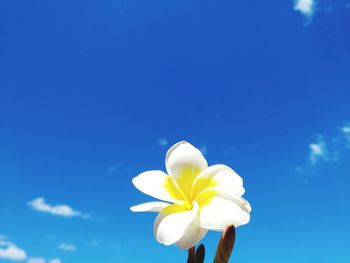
(221, 211)
(183, 163)
(192, 236)
(172, 222)
(158, 185)
(220, 178)
(149, 207)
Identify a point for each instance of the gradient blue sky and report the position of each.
(88, 88)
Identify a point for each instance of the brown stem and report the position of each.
(191, 255)
(200, 253)
(225, 246)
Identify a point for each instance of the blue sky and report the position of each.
(93, 93)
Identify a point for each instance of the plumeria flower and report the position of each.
(197, 198)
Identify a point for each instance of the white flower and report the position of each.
(202, 198)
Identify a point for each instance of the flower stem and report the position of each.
(191, 255)
(225, 246)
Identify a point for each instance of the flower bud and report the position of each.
(196, 256)
(191, 255)
(200, 254)
(225, 246)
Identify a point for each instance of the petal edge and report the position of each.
(149, 207)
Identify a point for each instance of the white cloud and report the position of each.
(36, 260)
(346, 132)
(3, 241)
(42, 260)
(163, 142)
(39, 204)
(330, 149)
(9, 251)
(318, 151)
(67, 247)
(306, 7)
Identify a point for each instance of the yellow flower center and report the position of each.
(183, 190)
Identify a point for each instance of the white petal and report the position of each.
(171, 224)
(184, 162)
(155, 184)
(183, 155)
(223, 211)
(149, 207)
(220, 178)
(192, 236)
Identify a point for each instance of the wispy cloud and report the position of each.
(67, 247)
(39, 204)
(318, 150)
(36, 260)
(42, 260)
(163, 142)
(2, 237)
(305, 7)
(346, 132)
(328, 150)
(9, 251)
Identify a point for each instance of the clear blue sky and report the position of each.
(88, 88)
